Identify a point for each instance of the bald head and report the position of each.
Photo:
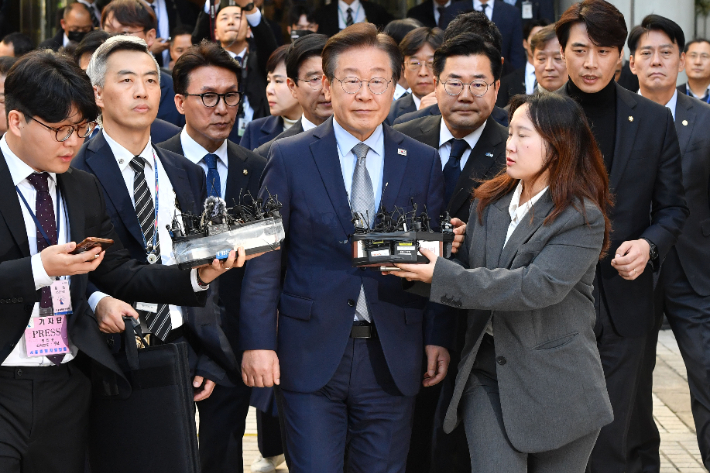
(77, 19)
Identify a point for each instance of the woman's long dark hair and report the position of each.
(576, 167)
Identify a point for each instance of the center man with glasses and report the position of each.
(347, 356)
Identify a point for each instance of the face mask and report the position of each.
(76, 36)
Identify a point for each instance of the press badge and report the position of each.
(47, 336)
(61, 298)
(241, 126)
(527, 11)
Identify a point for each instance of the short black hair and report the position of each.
(468, 44)
(180, 30)
(90, 43)
(6, 62)
(605, 23)
(300, 8)
(276, 58)
(41, 74)
(417, 38)
(135, 13)
(21, 43)
(657, 23)
(398, 29)
(530, 25)
(696, 41)
(301, 50)
(204, 54)
(478, 23)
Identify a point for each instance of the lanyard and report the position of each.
(706, 99)
(155, 221)
(36, 220)
(357, 12)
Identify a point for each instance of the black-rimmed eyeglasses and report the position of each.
(63, 133)
(211, 99)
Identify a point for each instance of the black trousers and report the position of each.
(689, 317)
(621, 360)
(44, 418)
(269, 438)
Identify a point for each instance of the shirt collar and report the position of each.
(417, 101)
(346, 142)
(344, 6)
(307, 124)
(472, 138)
(529, 69)
(687, 87)
(124, 157)
(515, 209)
(436, 5)
(239, 55)
(19, 170)
(477, 5)
(65, 40)
(195, 152)
(671, 105)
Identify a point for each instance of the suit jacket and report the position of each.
(160, 130)
(542, 9)
(188, 182)
(316, 303)
(424, 13)
(327, 17)
(53, 43)
(646, 174)
(692, 119)
(261, 130)
(399, 107)
(508, 19)
(124, 277)
(510, 85)
(167, 110)
(498, 114)
(486, 160)
(538, 291)
(244, 171)
(295, 129)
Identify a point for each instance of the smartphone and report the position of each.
(92, 242)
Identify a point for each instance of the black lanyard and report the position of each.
(36, 220)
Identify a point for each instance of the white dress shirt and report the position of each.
(163, 31)
(529, 78)
(166, 211)
(417, 101)
(672, 103)
(398, 91)
(248, 111)
(358, 12)
(436, 7)
(477, 5)
(196, 153)
(20, 171)
(94, 9)
(445, 138)
(307, 124)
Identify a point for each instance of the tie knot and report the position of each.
(484, 6)
(349, 10)
(441, 10)
(211, 161)
(40, 181)
(360, 150)
(137, 164)
(458, 148)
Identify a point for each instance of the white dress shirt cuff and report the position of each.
(193, 279)
(95, 298)
(39, 274)
(254, 17)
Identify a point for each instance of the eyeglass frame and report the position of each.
(308, 81)
(428, 64)
(74, 128)
(488, 86)
(219, 96)
(360, 81)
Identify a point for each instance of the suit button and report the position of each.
(14, 300)
(501, 360)
(19, 299)
(351, 303)
(19, 372)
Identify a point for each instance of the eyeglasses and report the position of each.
(703, 56)
(315, 82)
(351, 84)
(211, 99)
(477, 87)
(415, 65)
(63, 133)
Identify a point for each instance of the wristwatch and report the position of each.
(653, 251)
(248, 7)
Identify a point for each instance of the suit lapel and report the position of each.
(74, 206)
(684, 121)
(395, 165)
(11, 210)
(525, 229)
(237, 181)
(626, 128)
(179, 181)
(430, 129)
(103, 164)
(497, 222)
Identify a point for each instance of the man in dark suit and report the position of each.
(539, 10)
(697, 69)
(47, 209)
(140, 21)
(304, 69)
(683, 289)
(338, 15)
(471, 146)
(76, 22)
(430, 12)
(640, 148)
(232, 172)
(522, 80)
(350, 342)
(169, 15)
(498, 114)
(508, 20)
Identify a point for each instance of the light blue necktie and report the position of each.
(362, 200)
(214, 185)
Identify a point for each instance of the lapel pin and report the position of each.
(631, 119)
(490, 155)
(245, 172)
(685, 122)
(120, 161)
(401, 151)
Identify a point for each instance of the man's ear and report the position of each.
(98, 96)
(16, 122)
(180, 103)
(63, 23)
(150, 36)
(681, 64)
(632, 64)
(326, 89)
(291, 86)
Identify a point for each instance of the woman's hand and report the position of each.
(459, 234)
(417, 272)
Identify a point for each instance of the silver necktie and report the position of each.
(362, 200)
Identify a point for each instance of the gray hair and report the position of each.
(97, 65)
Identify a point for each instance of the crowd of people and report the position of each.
(576, 181)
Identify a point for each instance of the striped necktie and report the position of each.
(362, 201)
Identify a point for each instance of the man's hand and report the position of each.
(417, 272)
(58, 262)
(110, 313)
(210, 272)
(427, 100)
(437, 365)
(158, 46)
(459, 234)
(631, 258)
(260, 368)
(202, 387)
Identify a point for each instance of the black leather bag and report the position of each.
(152, 429)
